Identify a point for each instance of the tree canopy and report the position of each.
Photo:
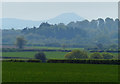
(20, 42)
(79, 33)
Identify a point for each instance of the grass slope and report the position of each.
(51, 72)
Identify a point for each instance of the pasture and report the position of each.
(39, 47)
(49, 55)
(42, 47)
(57, 72)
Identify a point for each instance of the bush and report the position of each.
(107, 55)
(96, 55)
(76, 54)
(41, 56)
(69, 55)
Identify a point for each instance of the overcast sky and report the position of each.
(47, 10)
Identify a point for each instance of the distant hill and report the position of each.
(66, 18)
(8, 23)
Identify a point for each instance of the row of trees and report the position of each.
(77, 54)
(80, 33)
(21, 42)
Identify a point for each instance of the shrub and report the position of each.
(107, 55)
(96, 55)
(76, 54)
(41, 56)
(69, 55)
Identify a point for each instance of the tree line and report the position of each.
(79, 33)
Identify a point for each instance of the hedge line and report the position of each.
(86, 61)
(29, 50)
(21, 60)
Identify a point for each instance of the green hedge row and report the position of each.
(21, 60)
(86, 61)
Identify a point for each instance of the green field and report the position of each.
(39, 47)
(49, 55)
(57, 72)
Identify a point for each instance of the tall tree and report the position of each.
(20, 42)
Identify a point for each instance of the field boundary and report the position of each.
(86, 61)
(81, 61)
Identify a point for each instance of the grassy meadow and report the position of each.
(40, 47)
(49, 55)
(57, 72)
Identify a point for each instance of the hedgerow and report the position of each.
(85, 61)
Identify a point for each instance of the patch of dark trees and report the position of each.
(72, 29)
(77, 34)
